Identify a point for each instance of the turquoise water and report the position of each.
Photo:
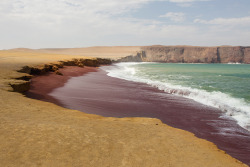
(232, 79)
(224, 86)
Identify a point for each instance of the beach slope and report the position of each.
(37, 133)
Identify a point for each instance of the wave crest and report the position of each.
(234, 108)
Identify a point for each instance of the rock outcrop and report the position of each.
(22, 84)
(191, 54)
(231, 54)
(247, 55)
(140, 57)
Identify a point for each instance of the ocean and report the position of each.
(223, 86)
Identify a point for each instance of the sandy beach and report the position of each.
(38, 133)
(96, 93)
(42, 85)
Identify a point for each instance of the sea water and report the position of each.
(223, 86)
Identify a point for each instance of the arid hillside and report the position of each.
(113, 52)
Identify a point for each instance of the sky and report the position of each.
(83, 23)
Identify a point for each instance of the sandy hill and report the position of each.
(113, 52)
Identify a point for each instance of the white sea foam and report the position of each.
(234, 63)
(234, 108)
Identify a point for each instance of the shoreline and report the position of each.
(38, 133)
(183, 105)
(42, 85)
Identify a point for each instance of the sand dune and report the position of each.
(113, 52)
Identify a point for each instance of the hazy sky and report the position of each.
(82, 23)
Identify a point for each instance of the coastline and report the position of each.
(97, 93)
(37, 133)
(42, 85)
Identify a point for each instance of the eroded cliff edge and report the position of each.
(21, 84)
(191, 54)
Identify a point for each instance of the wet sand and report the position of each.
(97, 93)
(42, 85)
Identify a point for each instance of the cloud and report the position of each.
(186, 1)
(70, 23)
(57, 8)
(24, 8)
(226, 21)
(78, 23)
(177, 17)
(225, 31)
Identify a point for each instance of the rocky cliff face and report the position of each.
(231, 54)
(180, 54)
(192, 54)
(247, 55)
(139, 57)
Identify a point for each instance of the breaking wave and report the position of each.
(232, 107)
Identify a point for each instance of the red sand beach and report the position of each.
(97, 93)
(42, 85)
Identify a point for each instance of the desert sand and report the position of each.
(37, 133)
(114, 52)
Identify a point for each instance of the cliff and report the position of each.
(191, 54)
